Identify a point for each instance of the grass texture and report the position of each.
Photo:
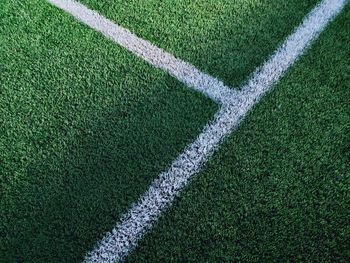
(85, 127)
(278, 190)
(227, 39)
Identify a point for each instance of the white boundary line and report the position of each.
(118, 243)
(183, 71)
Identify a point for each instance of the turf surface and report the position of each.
(225, 38)
(278, 190)
(85, 126)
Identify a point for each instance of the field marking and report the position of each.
(118, 243)
(183, 71)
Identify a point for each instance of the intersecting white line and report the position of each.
(118, 243)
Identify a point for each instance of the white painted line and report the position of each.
(117, 244)
(292, 47)
(183, 71)
(135, 223)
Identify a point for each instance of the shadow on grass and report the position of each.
(65, 205)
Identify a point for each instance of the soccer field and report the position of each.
(174, 131)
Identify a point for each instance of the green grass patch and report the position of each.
(278, 190)
(85, 126)
(227, 39)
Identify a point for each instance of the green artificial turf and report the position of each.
(278, 190)
(226, 38)
(85, 126)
